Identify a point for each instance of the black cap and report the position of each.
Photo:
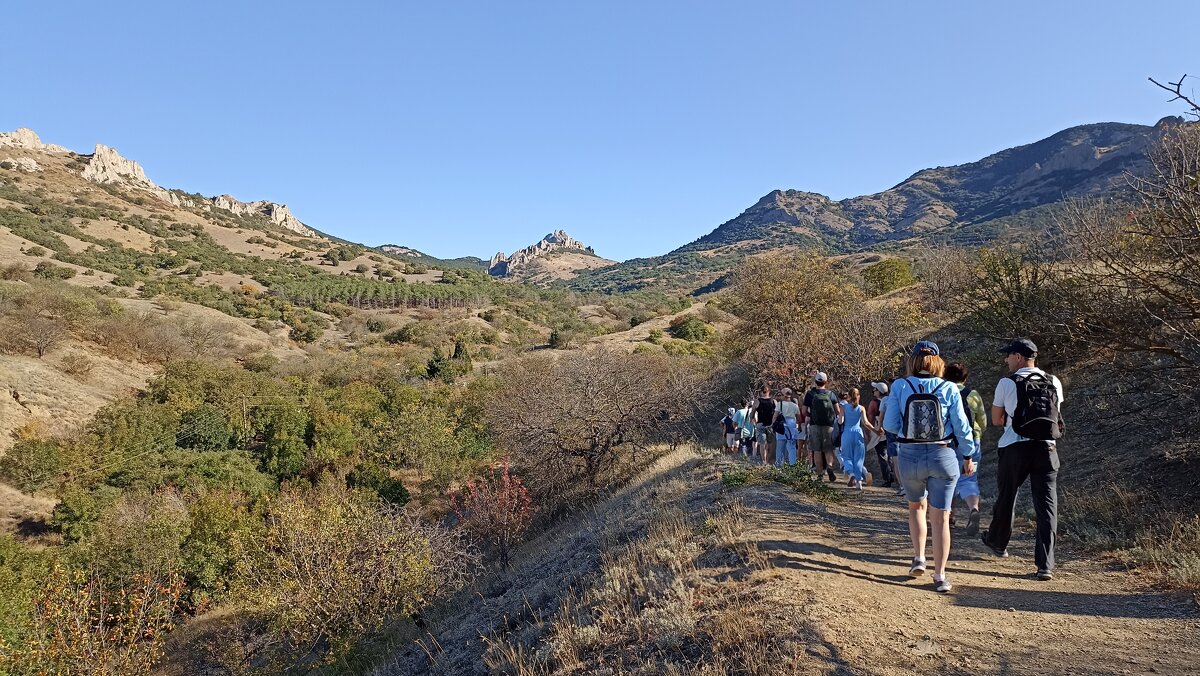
(1021, 346)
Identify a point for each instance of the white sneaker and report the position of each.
(942, 585)
(918, 568)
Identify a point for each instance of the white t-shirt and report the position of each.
(1006, 398)
(789, 409)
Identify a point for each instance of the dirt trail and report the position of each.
(849, 561)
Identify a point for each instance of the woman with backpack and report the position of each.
(853, 420)
(926, 414)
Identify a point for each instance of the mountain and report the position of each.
(968, 203)
(420, 258)
(557, 256)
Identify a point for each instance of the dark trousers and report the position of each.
(1038, 462)
(885, 467)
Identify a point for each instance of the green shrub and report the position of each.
(888, 275)
(374, 477)
(32, 464)
(691, 328)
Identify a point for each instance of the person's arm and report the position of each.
(978, 415)
(960, 426)
(892, 420)
(867, 428)
(999, 417)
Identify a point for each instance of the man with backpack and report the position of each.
(820, 408)
(1027, 406)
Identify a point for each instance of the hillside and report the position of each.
(970, 203)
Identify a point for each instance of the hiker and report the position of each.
(764, 415)
(1027, 406)
(854, 428)
(926, 414)
(837, 430)
(787, 429)
(729, 428)
(878, 441)
(745, 429)
(820, 408)
(968, 485)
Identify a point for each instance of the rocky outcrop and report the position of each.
(504, 266)
(26, 139)
(278, 214)
(20, 164)
(108, 166)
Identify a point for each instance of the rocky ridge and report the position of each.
(505, 266)
(107, 166)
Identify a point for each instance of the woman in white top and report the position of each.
(785, 444)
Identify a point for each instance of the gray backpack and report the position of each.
(924, 420)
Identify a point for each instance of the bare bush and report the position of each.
(336, 566)
(801, 316)
(575, 421)
(947, 274)
(82, 625)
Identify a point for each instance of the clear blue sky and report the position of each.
(474, 126)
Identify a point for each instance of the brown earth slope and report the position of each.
(683, 576)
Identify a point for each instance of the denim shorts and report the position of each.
(928, 471)
(892, 451)
(968, 486)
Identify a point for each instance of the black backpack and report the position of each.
(924, 420)
(823, 410)
(1037, 415)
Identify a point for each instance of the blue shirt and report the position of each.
(947, 394)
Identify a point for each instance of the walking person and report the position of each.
(745, 427)
(854, 430)
(1027, 406)
(968, 485)
(820, 407)
(926, 414)
(875, 421)
(729, 429)
(764, 415)
(787, 429)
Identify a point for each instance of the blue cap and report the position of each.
(926, 347)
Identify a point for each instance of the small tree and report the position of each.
(574, 421)
(887, 275)
(496, 509)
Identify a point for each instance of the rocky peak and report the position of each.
(108, 166)
(278, 214)
(503, 266)
(27, 139)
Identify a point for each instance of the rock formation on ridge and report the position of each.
(505, 266)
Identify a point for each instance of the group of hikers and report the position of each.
(925, 429)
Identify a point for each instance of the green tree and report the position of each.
(888, 275)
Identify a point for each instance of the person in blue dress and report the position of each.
(927, 415)
(854, 428)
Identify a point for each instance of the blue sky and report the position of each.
(464, 128)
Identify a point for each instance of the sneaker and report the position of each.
(900, 490)
(973, 523)
(1002, 553)
(943, 585)
(832, 476)
(1044, 575)
(918, 568)
(952, 520)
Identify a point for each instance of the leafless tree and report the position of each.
(575, 423)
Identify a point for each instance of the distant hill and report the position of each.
(411, 254)
(969, 203)
(557, 256)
